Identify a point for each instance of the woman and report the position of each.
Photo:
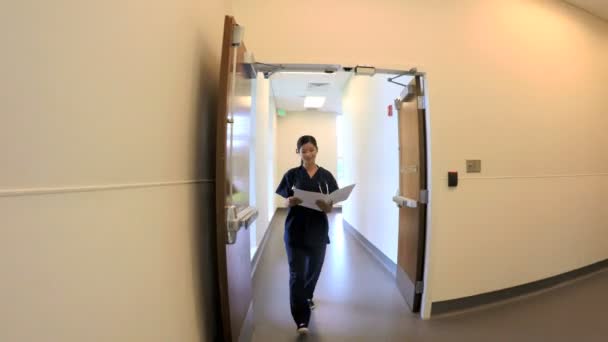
(306, 230)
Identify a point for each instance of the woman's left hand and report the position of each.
(325, 206)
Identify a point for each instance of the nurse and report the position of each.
(306, 230)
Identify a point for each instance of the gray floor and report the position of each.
(358, 301)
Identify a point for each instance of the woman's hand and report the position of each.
(325, 206)
(293, 201)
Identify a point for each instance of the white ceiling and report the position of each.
(597, 7)
(290, 89)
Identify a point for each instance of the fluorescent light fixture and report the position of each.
(314, 101)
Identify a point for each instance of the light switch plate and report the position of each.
(473, 166)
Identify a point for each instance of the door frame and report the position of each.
(425, 310)
(269, 68)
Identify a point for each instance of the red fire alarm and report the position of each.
(390, 110)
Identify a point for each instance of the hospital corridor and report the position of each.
(323, 171)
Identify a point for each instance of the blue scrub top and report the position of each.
(305, 227)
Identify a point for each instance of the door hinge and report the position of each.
(421, 102)
(424, 196)
(419, 287)
(398, 104)
(237, 35)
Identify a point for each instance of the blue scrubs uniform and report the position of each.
(306, 238)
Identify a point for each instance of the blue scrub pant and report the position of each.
(305, 264)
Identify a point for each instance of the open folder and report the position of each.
(309, 198)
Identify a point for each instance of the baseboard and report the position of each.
(248, 326)
(377, 254)
(258, 253)
(460, 304)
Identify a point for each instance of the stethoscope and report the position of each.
(293, 187)
(326, 188)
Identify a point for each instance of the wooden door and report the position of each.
(413, 195)
(233, 214)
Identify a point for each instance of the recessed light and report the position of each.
(314, 101)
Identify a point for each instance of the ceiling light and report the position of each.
(314, 101)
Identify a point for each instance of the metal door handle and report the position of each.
(246, 217)
(405, 202)
(237, 220)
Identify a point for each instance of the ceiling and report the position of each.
(596, 7)
(290, 88)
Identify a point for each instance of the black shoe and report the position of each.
(311, 304)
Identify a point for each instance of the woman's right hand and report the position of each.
(293, 201)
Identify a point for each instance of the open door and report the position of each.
(412, 197)
(233, 213)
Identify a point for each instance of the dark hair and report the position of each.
(305, 139)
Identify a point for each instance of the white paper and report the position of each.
(341, 194)
(310, 198)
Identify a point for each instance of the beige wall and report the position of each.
(278, 173)
(273, 158)
(96, 95)
(290, 127)
(517, 84)
(371, 160)
(262, 157)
